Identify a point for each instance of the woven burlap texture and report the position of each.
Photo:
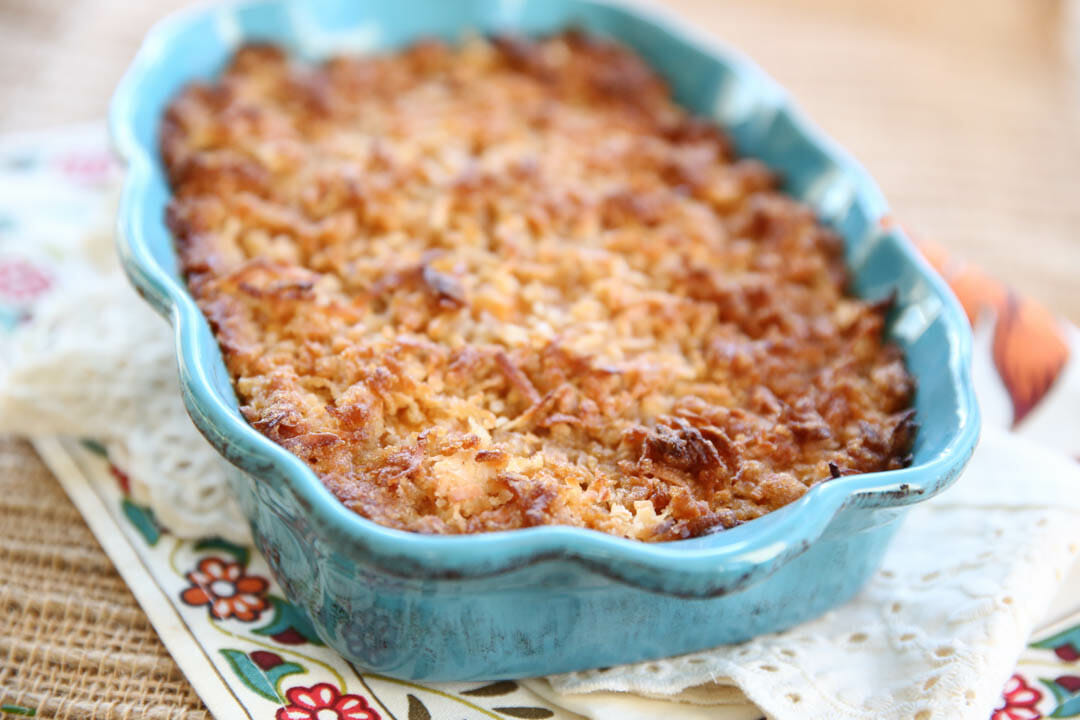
(73, 642)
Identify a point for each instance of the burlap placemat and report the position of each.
(73, 642)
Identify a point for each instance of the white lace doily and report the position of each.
(96, 362)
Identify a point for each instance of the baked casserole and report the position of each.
(511, 283)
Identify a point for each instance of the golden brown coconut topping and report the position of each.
(512, 283)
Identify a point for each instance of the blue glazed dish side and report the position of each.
(548, 599)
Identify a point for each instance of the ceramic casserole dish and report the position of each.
(548, 599)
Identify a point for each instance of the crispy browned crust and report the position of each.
(512, 284)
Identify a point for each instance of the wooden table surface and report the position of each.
(966, 112)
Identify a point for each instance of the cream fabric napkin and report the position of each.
(935, 634)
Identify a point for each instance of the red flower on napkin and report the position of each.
(1021, 701)
(90, 167)
(324, 702)
(21, 282)
(227, 589)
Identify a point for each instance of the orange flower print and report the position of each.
(1029, 347)
(1029, 352)
(227, 589)
(975, 290)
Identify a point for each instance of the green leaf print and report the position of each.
(262, 681)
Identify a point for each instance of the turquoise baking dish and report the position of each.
(549, 599)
